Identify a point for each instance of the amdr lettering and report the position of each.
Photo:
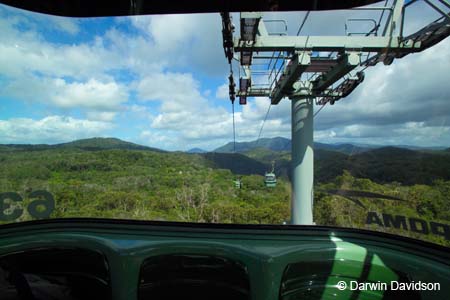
(408, 224)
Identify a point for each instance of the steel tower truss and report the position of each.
(320, 70)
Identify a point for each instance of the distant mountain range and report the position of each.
(196, 150)
(380, 164)
(274, 144)
(96, 143)
(284, 144)
(277, 144)
(404, 164)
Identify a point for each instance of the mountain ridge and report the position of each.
(95, 143)
(196, 150)
(284, 144)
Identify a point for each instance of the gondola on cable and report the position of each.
(270, 179)
(238, 183)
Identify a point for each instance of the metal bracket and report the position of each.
(296, 66)
(348, 62)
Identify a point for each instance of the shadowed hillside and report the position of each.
(275, 144)
(390, 164)
(383, 165)
(236, 163)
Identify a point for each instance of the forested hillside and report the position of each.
(88, 181)
(85, 144)
(142, 185)
(382, 165)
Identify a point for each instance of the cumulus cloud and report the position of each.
(51, 129)
(66, 25)
(178, 88)
(53, 23)
(184, 111)
(26, 49)
(90, 95)
(25, 52)
(105, 116)
(410, 133)
(191, 119)
(186, 41)
(160, 140)
(222, 92)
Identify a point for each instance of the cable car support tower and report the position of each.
(319, 70)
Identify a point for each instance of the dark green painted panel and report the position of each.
(293, 262)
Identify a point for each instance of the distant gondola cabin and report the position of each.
(238, 183)
(270, 180)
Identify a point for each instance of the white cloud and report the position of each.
(184, 112)
(25, 49)
(139, 111)
(168, 31)
(137, 54)
(222, 92)
(105, 116)
(90, 95)
(177, 90)
(36, 21)
(51, 129)
(186, 40)
(159, 140)
(191, 119)
(27, 52)
(410, 133)
(68, 25)
(256, 109)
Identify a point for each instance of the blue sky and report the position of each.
(161, 81)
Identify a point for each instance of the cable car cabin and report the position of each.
(270, 180)
(238, 183)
